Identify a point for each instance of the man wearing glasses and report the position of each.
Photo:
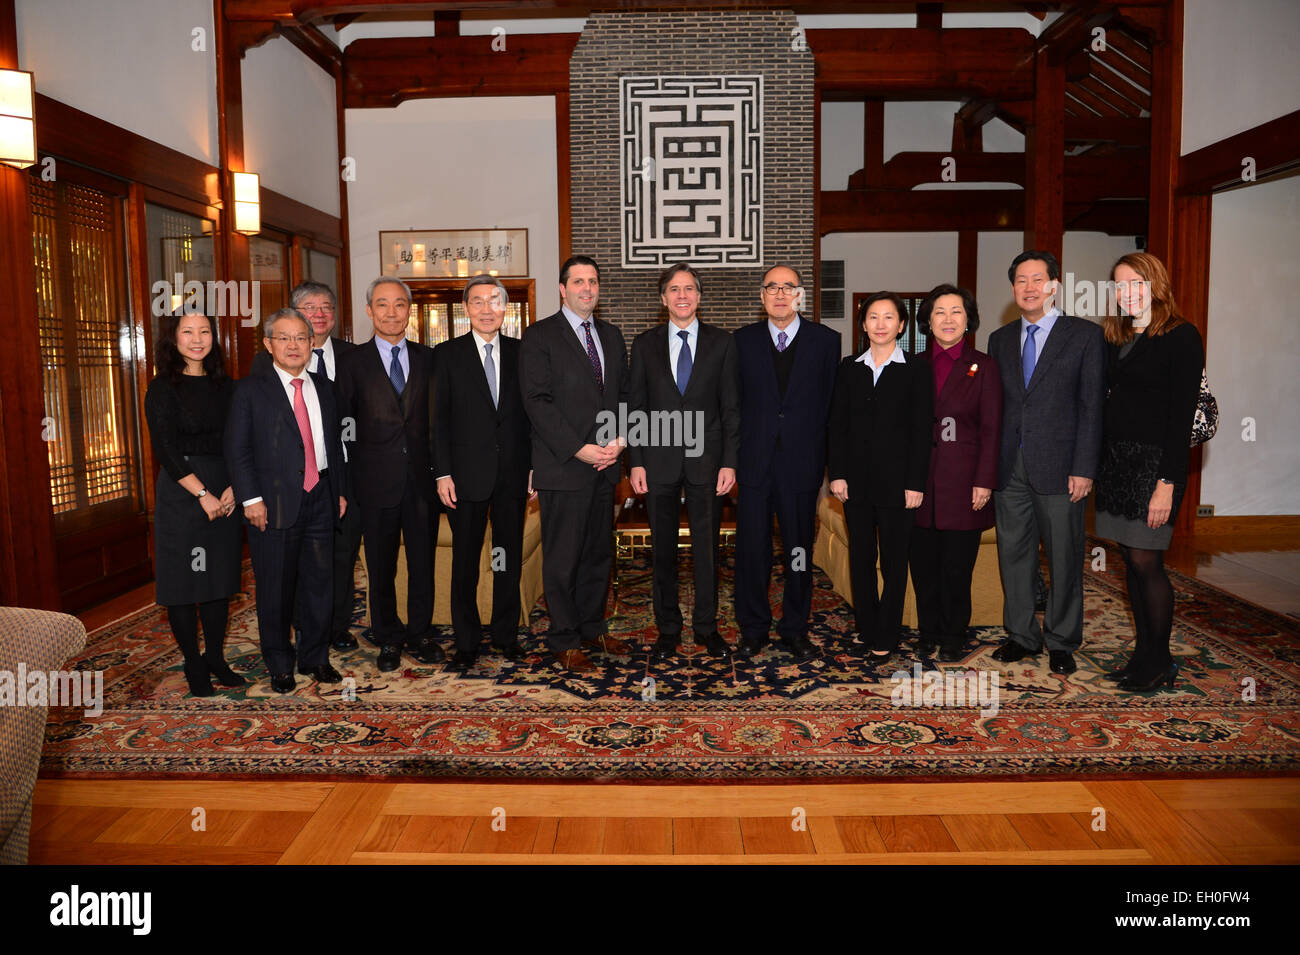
(286, 464)
(317, 303)
(787, 373)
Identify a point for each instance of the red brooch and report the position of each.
(973, 369)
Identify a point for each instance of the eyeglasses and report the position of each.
(771, 288)
(323, 309)
(494, 302)
(296, 339)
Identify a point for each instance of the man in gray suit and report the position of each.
(1053, 370)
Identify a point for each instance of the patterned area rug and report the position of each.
(1233, 708)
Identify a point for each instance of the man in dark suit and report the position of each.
(316, 301)
(573, 371)
(787, 375)
(286, 468)
(1053, 371)
(384, 394)
(481, 450)
(688, 378)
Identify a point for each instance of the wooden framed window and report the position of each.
(89, 352)
(438, 310)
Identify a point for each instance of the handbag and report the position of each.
(1205, 422)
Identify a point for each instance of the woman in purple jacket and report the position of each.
(957, 506)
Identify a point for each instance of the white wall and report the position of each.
(455, 163)
(129, 62)
(1253, 340)
(290, 129)
(1240, 66)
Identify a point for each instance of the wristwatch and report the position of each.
(1165, 481)
(203, 491)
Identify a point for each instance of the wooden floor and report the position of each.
(1215, 821)
(1236, 821)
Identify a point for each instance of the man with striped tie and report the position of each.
(685, 372)
(573, 371)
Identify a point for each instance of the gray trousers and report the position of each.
(1024, 518)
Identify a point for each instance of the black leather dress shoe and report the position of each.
(1062, 661)
(344, 642)
(925, 646)
(512, 653)
(749, 646)
(1011, 651)
(665, 649)
(800, 648)
(716, 646)
(952, 652)
(427, 650)
(390, 657)
(463, 661)
(282, 682)
(322, 674)
(877, 657)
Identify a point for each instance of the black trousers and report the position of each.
(704, 513)
(796, 511)
(879, 614)
(292, 565)
(468, 520)
(577, 556)
(943, 563)
(409, 523)
(347, 541)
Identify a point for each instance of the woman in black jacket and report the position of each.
(878, 459)
(1154, 364)
(196, 532)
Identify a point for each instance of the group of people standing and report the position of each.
(327, 444)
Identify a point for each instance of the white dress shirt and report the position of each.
(675, 344)
(895, 356)
(576, 324)
(313, 415)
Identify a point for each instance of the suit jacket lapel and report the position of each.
(1055, 342)
(802, 360)
(472, 345)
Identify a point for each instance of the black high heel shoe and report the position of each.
(1123, 673)
(1142, 686)
(196, 675)
(221, 671)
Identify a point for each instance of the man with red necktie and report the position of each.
(286, 467)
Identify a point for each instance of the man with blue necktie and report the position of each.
(685, 373)
(1053, 371)
(384, 390)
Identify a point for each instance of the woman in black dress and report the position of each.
(878, 457)
(1153, 364)
(196, 533)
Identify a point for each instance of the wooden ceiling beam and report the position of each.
(1108, 95)
(982, 210)
(385, 72)
(1124, 67)
(1088, 98)
(1095, 129)
(1273, 146)
(1086, 177)
(992, 64)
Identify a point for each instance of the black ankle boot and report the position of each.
(222, 673)
(196, 674)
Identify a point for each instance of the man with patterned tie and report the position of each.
(685, 370)
(481, 450)
(384, 389)
(316, 301)
(573, 372)
(286, 465)
(1053, 370)
(787, 375)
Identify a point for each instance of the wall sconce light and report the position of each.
(248, 203)
(17, 126)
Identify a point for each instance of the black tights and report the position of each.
(1152, 597)
(185, 626)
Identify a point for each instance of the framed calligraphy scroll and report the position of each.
(450, 254)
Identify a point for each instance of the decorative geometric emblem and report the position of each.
(691, 181)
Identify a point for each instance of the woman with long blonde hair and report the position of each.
(1153, 367)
